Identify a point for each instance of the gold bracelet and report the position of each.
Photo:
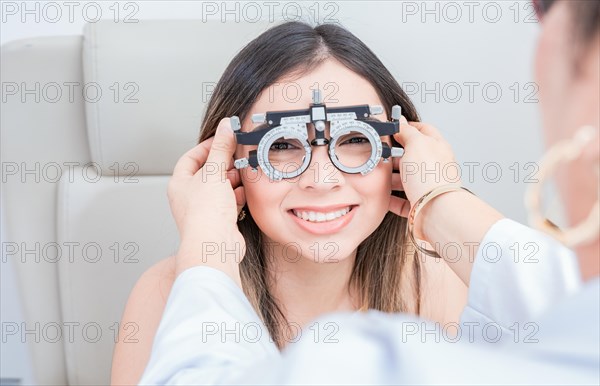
(414, 211)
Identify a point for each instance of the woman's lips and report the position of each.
(325, 227)
(324, 208)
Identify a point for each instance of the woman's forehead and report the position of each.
(339, 86)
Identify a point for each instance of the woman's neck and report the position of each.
(305, 289)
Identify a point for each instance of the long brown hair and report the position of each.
(386, 275)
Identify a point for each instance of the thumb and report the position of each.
(222, 149)
(405, 132)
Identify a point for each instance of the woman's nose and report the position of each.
(321, 173)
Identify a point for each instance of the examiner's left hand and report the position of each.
(418, 171)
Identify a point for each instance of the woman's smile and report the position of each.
(321, 221)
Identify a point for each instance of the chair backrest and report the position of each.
(92, 127)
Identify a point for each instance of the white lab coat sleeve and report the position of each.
(518, 272)
(208, 332)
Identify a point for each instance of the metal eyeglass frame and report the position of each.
(293, 124)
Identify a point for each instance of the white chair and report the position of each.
(127, 99)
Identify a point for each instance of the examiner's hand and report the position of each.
(428, 162)
(205, 195)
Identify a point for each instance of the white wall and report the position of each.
(465, 51)
(446, 47)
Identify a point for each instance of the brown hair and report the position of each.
(387, 276)
(586, 17)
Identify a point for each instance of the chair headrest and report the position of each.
(146, 85)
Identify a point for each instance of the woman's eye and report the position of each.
(277, 146)
(355, 140)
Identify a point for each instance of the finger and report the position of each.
(221, 150)
(396, 163)
(233, 175)
(193, 159)
(399, 206)
(240, 198)
(427, 129)
(405, 132)
(397, 182)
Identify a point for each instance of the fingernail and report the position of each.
(403, 119)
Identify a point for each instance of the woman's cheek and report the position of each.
(375, 188)
(382, 183)
(264, 198)
(255, 194)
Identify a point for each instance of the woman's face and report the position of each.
(322, 188)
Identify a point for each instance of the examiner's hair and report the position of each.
(586, 17)
(387, 275)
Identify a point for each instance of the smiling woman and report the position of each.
(324, 240)
(373, 268)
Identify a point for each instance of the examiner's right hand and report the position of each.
(205, 196)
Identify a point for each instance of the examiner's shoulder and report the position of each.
(140, 321)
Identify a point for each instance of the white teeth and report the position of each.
(319, 216)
